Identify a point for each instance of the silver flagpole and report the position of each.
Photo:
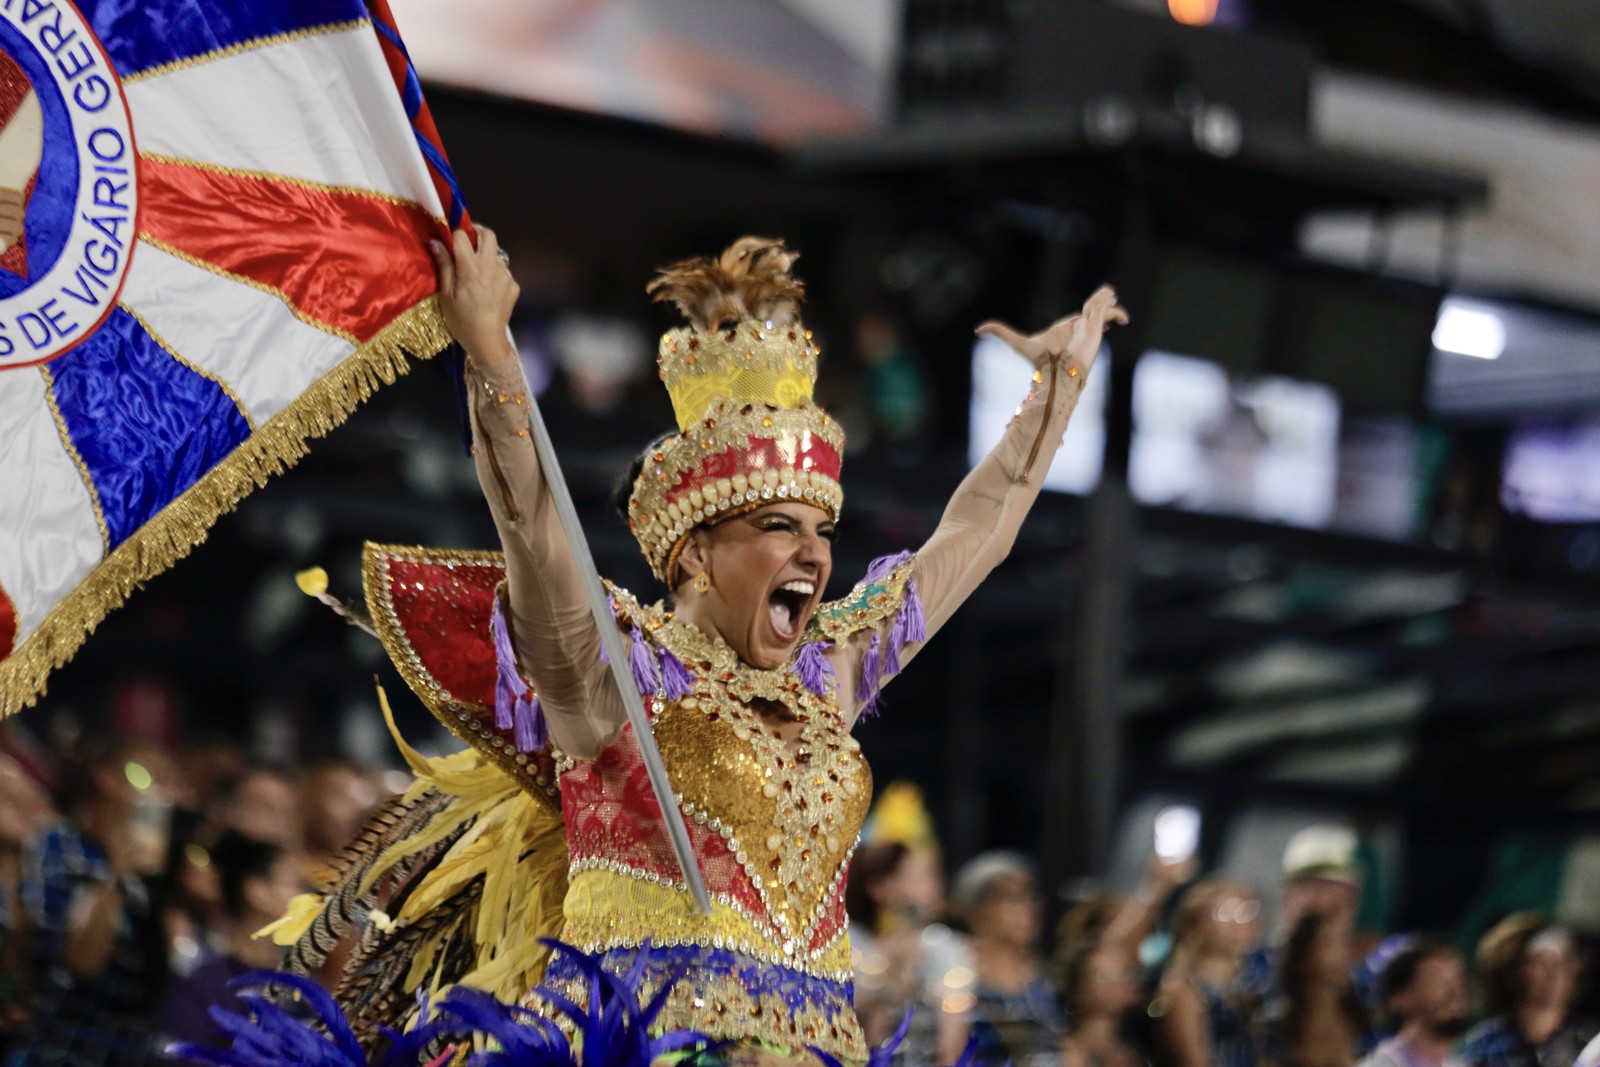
(617, 656)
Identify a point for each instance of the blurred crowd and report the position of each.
(1183, 972)
(131, 883)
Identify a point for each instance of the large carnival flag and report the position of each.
(214, 218)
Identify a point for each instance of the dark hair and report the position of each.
(237, 859)
(1079, 935)
(1296, 982)
(872, 865)
(1401, 971)
(622, 491)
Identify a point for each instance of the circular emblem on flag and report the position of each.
(69, 202)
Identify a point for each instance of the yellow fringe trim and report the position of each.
(173, 533)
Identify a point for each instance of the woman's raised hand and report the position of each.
(1076, 337)
(477, 294)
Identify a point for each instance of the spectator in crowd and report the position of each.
(1097, 964)
(257, 879)
(1529, 971)
(1016, 1016)
(1100, 982)
(1202, 1014)
(24, 813)
(97, 944)
(1321, 876)
(261, 802)
(905, 960)
(1423, 989)
(335, 798)
(1323, 1021)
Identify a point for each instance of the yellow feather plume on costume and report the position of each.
(519, 847)
(501, 834)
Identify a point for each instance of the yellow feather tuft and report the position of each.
(303, 911)
(313, 581)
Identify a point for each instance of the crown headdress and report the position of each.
(740, 378)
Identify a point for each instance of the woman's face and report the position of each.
(1549, 974)
(768, 569)
(915, 886)
(1011, 911)
(1235, 923)
(1109, 984)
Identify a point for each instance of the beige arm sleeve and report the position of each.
(980, 523)
(552, 630)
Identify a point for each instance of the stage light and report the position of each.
(1194, 12)
(1469, 331)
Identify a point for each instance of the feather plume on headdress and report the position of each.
(741, 379)
(750, 280)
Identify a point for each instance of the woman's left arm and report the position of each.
(980, 523)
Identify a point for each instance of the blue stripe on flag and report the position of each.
(140, 34)
(411, 99)
(146, 425)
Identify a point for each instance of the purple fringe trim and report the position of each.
(646, 671)
(813, 667)
(530, 732)
(881, 566)
(882, 660)
(871, 680)
(676, 681)
(911, 624)
(515, 706)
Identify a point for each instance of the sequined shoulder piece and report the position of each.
(875, 600)
(431, 608)
(630, 612)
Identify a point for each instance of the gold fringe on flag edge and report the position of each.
(175, 531)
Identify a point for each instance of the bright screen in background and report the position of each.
(1272, 449)
(1552, 472)
(1262, 448)
(1000, 381)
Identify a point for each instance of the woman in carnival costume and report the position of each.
(546, 825)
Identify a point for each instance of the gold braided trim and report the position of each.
(661, 519)
(77, 461)
(242, 47)
(866, 606)
(210, 376)
(172, 533)
(751, 363)
(609, 906)
(212, 268)
(463, 718)
(719, 1006)
(286, 179)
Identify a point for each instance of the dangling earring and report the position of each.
(702, 582)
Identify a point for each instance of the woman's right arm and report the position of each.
(552, 630)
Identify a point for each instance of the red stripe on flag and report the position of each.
(348, 260)
(423, 122)
(8, 625)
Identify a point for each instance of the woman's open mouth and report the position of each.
(787, 606)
